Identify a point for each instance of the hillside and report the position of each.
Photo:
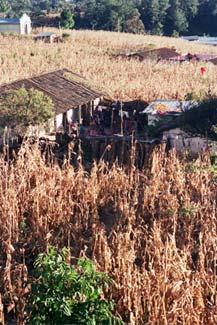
(90, 54)
(152, 229)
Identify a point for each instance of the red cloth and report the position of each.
(202, 70)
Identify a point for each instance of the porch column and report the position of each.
(79, 114)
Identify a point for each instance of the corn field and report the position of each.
(153, 231)
(91, 54)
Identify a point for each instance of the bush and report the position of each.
(20, 108)
(65, 294)
(65, 35)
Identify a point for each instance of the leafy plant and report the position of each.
(66, 294)
(67, 20)
(21, 108)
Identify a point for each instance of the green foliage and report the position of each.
(21, 108)
(134, 24)
(66, 19)
(65, 35)
(202, 119)
(4, 6)
(114, 15)
(170, 17)
(66, 294)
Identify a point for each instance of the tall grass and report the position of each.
(153, 231)
(90, 54)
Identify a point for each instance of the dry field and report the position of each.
(89, 53)
(153, 231)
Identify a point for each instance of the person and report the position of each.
(74, 129)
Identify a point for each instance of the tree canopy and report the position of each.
(168, 17)
(21, 108)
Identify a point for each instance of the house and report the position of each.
(166, 109)
(181, 141)
(214, 61)
(16, 25)
(48, 37)
(189, 57)
(163, 53)
(74, 100)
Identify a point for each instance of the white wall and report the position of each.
(182, 141)
(10, 28)
(25, 21)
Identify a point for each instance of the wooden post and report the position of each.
(122, 118)
(112, 120)
(91, 109)
(79, 114)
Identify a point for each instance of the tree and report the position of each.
(134, 24)
(153, 14)
(205, 22)
(113, 15)
(201, 119)
(66, 19)
(176, 19)
(21, 108)
(66, 294)
(4, 6)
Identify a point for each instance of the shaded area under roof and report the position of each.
(66, 89)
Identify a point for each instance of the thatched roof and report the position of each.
(66, 89)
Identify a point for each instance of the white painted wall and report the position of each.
(10, 28)
(25, 24)
(182, 141)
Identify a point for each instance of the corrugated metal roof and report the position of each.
(45, 34)
(66, 89)
(169, 106)
(9, 21)
(191, 38)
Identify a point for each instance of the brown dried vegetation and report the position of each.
(153, 231)
(91, 54)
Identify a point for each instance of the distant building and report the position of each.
(159, 54)
(47, 37)
(20, 25)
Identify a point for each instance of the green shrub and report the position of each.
(66, 294)
(20, 108)
(65, 35)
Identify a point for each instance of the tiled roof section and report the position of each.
(163, 53)
(214, 61)
(66, 89)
